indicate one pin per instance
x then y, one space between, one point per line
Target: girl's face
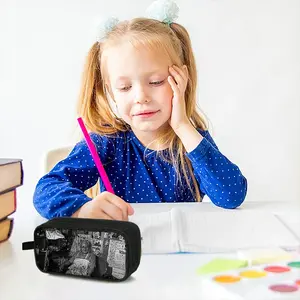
139 86
84 248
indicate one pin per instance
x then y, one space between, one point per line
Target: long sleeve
61 192
219 178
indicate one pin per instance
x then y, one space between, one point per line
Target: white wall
248 56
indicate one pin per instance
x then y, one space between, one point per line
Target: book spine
22 174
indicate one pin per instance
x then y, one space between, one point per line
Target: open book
227 230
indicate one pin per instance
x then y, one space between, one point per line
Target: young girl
82 262
158 148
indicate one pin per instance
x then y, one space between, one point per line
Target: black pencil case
96 248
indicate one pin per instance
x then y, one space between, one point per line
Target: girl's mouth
146 114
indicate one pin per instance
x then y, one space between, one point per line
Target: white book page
157 232
230 230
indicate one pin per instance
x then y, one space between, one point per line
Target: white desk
158 276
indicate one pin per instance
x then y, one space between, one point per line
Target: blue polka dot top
137 175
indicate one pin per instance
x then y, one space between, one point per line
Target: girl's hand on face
178 81
105 206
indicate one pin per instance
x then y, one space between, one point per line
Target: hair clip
165 11
105 26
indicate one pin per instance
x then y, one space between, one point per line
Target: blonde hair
94 106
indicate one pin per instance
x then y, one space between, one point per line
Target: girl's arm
92 264
61 192
218 177
69 261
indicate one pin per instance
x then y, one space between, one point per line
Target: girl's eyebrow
153 72
143 75
122 78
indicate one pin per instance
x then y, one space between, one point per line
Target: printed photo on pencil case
81 253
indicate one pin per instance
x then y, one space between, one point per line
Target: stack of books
11 177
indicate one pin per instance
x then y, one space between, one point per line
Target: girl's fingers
185 75
180 76
125 207
173 84
99 213
186 72
112 210
105 216
180 71
176 76
130 210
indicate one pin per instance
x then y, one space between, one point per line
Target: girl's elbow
229 203
234 202
236 198
233 199
43 207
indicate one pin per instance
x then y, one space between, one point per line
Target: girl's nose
141 96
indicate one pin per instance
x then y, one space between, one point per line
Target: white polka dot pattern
137 175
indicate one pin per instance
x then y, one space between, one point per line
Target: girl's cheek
124 112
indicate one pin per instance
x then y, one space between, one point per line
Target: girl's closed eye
124 88
159 82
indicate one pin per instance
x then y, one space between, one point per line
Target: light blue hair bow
165 11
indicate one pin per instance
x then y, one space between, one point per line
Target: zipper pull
28 245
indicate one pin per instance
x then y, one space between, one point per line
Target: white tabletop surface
171 276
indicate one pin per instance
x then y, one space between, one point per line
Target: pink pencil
96 157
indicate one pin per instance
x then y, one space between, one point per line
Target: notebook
211 232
